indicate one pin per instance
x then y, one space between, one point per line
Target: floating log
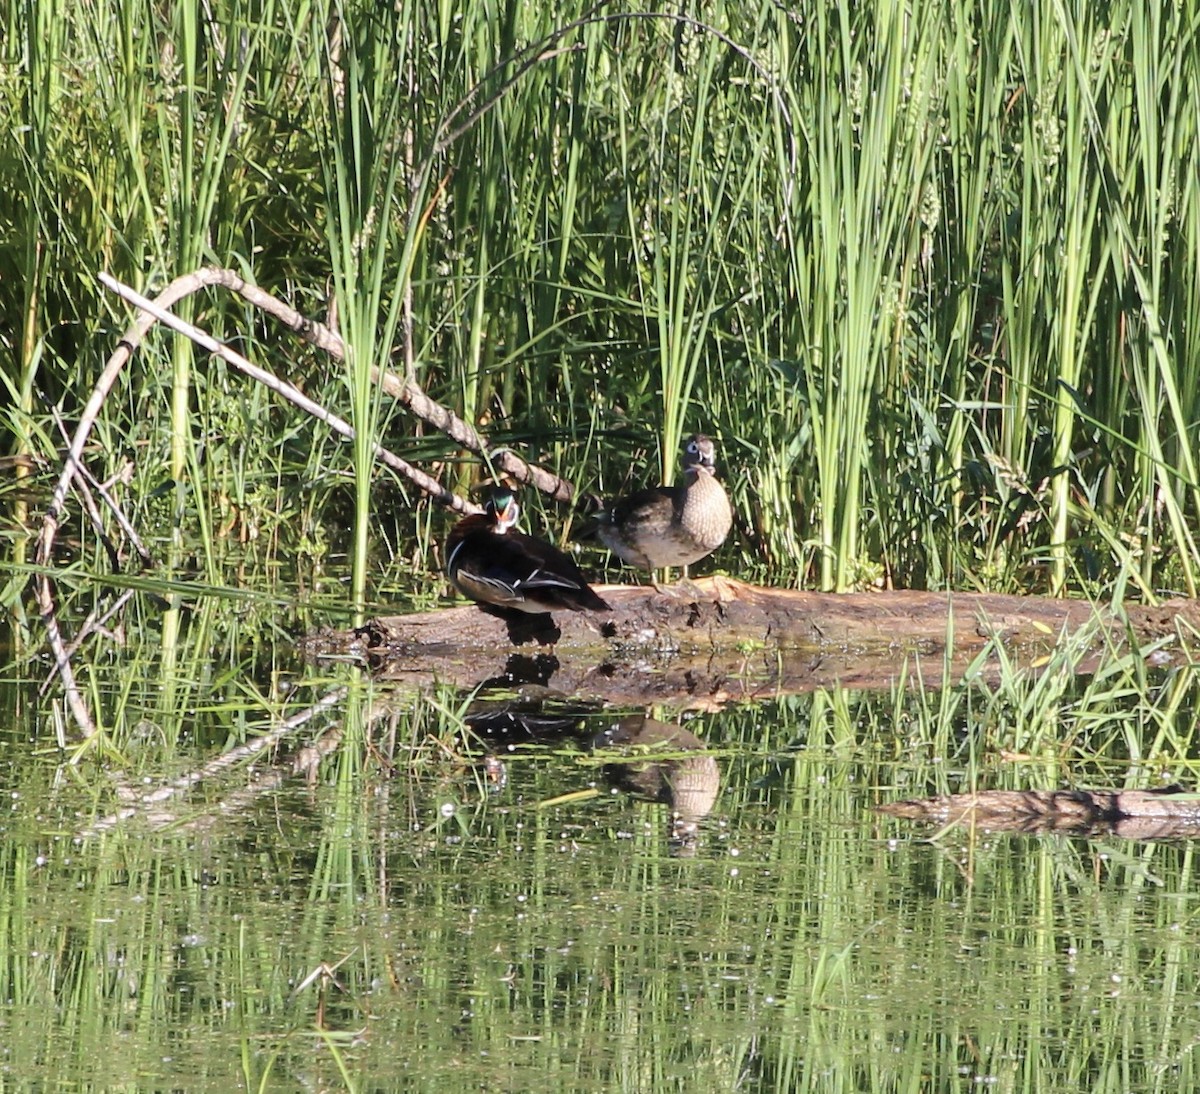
716 639
1166 813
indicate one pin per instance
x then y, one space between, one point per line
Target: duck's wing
654 504
519 571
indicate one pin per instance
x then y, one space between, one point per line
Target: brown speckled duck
489 562
672 525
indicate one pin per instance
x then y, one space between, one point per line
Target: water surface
405 916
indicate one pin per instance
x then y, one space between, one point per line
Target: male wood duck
492 564
672 525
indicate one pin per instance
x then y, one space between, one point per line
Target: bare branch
289 392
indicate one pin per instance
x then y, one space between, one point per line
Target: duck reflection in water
650 759
688 784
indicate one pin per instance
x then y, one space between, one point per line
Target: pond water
435 907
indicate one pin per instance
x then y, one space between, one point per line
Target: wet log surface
1167 813
714 640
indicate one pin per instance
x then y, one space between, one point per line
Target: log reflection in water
1168 812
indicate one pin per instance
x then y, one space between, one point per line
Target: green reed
930 276
362 113
928 273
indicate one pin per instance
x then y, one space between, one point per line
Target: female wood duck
672 525
492 564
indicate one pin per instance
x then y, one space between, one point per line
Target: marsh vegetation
928 273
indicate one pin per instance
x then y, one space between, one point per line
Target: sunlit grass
928 275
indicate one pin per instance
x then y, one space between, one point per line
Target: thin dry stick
410 395
94 622
125 524
130 340
292 394
407 392
86 479
178 288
